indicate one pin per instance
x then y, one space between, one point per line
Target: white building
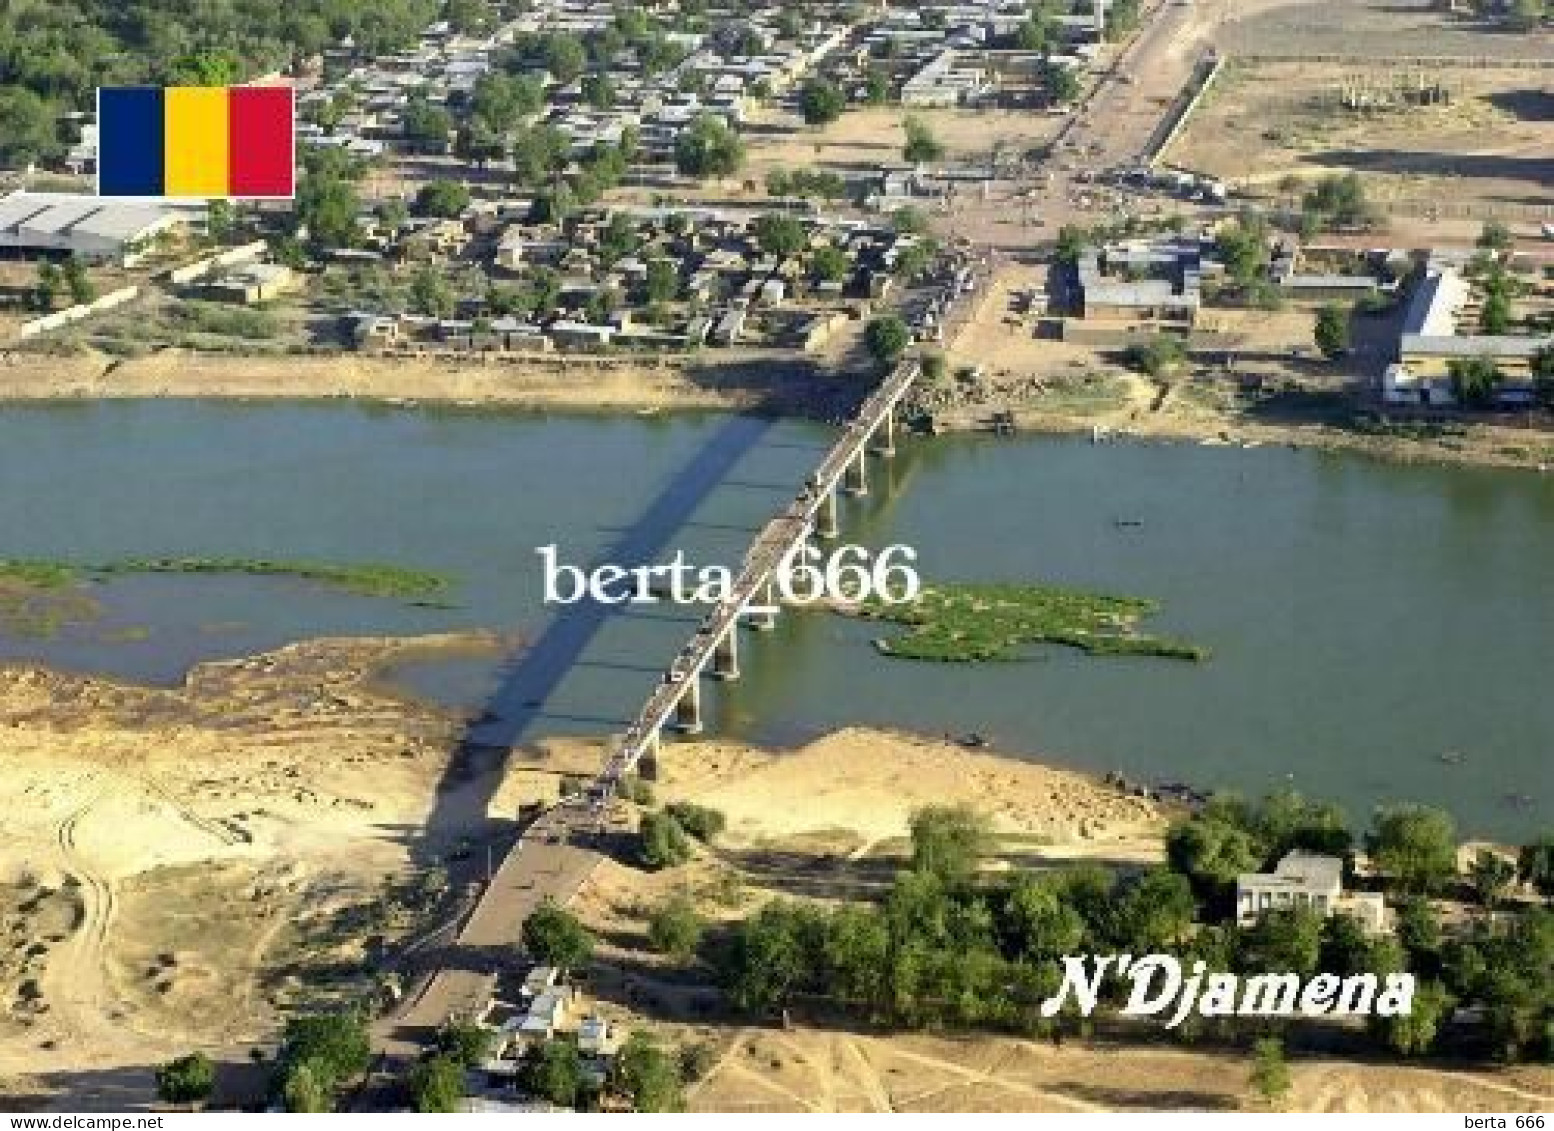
1304 880
92 228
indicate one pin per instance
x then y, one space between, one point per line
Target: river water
1379 632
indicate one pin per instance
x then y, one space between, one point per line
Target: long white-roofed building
99 230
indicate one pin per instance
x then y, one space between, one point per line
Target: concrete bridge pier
826 524
647 764
725 654
856 478
765 619
687 709
885 434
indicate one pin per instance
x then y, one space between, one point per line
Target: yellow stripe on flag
195 146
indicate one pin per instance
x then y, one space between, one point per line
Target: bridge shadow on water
529 677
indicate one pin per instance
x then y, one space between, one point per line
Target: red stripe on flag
260 151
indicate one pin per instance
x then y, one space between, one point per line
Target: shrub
675 928
662 843
700 821
187 1080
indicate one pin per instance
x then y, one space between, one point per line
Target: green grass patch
36 573
367 578
965 622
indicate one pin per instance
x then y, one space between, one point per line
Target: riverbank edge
609 387
1231 432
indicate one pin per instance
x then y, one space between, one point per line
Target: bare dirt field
179 866
874 136
1492 143
1375 29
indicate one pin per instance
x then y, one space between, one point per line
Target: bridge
713 649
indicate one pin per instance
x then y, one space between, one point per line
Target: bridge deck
777 538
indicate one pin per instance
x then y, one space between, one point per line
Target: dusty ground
1058 386
830 820
870 136
648 384
1491 144
179 865
1373 28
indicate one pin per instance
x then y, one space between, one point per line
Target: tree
708 148
909 221
663 280
1039 925
1543 375
430 292
26 127
1527 15
1535 865
442 198
830 264
1071 244
821 101
662 843
303 1092
467 1042
1270 1075
1060 82
1155 912
1473 380
887 338
599 91
701 821
675 928
1284 940
319 1054
556 937
1414 1033
327 207
220 220
1157 356
50 279
648 1075
187 1080
779 235
1415 846
1338 200
1494 317
1491 876
876 86
949 841
1332 330
437 1085
1032 35
1495 236
921 145
78 282
426 124
564 56
554 1070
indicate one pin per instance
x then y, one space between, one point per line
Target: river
1379 632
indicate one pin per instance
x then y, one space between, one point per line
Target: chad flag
195 141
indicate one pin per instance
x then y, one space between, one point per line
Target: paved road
552 861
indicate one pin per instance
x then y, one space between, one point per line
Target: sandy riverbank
581 383
182 866
178 865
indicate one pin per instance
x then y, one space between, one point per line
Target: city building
1301 879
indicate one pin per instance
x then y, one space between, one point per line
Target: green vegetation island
965 622
371 579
